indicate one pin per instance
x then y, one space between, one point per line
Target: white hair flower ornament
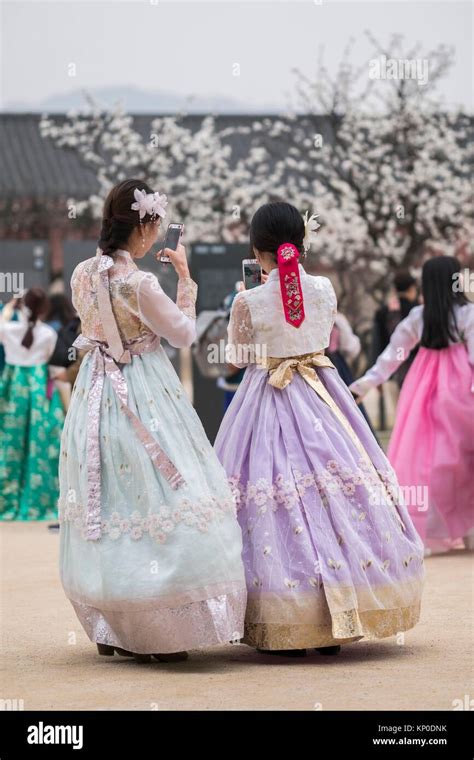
310 227
153 204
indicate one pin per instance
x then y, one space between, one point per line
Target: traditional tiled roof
34 167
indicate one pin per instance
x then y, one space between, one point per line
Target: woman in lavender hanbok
331 555
150 545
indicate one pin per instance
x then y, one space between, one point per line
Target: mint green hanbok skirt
166 574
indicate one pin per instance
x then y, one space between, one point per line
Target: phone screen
252 273
173 235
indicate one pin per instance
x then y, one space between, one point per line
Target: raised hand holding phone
174 234
173 252
178 259
251 273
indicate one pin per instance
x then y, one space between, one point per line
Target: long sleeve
240 349
51 343
174 321
405 337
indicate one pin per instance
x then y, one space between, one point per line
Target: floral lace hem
209 622
346 627
158 525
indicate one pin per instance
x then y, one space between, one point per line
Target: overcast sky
186 48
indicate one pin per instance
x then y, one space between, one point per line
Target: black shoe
329 650
54 527
109 651
284 652
171 657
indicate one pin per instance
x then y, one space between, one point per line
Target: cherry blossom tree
378 157
191 167
388 170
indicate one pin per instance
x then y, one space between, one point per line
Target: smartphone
251 273
173 236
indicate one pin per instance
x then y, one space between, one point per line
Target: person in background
8 311
63 318
66 358
391 314
61 311
31 415
64 366
432 444
344 347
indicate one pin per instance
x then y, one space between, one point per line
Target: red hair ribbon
290 284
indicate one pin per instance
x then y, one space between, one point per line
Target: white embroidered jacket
258 326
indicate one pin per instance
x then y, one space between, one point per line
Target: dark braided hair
118 219
274 224
36 301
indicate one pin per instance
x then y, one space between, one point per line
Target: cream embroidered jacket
139 303
258 326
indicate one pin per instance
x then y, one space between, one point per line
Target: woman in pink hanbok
432 444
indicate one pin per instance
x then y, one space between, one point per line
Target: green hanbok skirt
30 435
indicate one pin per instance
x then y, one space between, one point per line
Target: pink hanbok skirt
432 446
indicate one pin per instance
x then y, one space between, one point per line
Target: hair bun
119 220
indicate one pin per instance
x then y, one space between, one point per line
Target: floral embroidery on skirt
29 448
330 552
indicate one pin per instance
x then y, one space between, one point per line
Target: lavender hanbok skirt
330 552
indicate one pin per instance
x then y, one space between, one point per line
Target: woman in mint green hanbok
31 415
150 544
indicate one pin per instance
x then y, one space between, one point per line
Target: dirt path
51 665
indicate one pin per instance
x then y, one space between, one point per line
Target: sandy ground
50 664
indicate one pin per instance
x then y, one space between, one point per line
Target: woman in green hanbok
31 416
